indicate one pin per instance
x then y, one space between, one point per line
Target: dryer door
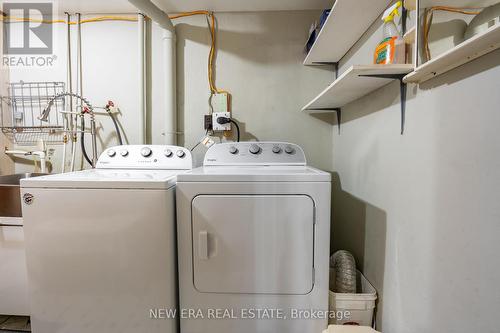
253 244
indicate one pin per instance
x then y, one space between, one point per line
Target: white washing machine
101 243
253 229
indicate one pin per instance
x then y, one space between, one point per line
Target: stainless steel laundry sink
10 197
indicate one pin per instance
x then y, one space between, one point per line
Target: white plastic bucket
353 309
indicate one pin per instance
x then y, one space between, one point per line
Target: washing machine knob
146 152
180 153
124 152
168 153
289 150
233 150
254 149
111 153
276 149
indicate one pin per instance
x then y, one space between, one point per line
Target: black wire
82 142
199 142
237 128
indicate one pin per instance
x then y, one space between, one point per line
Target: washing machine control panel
255 153
155 157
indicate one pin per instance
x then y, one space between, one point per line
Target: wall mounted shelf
467 51
353 84
357 82
334 41
347 22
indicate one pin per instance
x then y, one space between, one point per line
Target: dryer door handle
203 245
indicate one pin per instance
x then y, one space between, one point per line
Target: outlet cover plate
220 127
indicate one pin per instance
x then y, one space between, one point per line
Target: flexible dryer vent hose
345 272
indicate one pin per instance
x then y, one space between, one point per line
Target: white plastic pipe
43 163
170 88
69 128
40 154
161 18
155 13
142 77
65 143
17 152
79 89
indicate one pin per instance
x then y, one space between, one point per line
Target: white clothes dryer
253 230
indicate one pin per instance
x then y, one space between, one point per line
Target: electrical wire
429 15
199 142
237 129
211 23
212 27
8 19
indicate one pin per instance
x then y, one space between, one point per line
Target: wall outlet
220 127
207 122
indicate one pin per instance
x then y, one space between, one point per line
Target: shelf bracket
404 17
402 90
338 111
329 63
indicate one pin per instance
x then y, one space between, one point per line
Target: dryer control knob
111 153
233 150
254 149
276 149
168 153
289 150
124 152
180 153
146 152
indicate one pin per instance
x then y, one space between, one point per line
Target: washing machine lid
106 179
255 174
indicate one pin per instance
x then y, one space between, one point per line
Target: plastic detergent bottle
392 48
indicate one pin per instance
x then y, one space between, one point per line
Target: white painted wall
258 61
109 73
420 211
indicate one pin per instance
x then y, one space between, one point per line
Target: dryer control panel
255 153
156 157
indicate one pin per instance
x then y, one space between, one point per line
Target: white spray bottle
391 50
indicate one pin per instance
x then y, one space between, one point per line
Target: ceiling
171 6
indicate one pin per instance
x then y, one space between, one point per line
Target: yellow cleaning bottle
392 48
